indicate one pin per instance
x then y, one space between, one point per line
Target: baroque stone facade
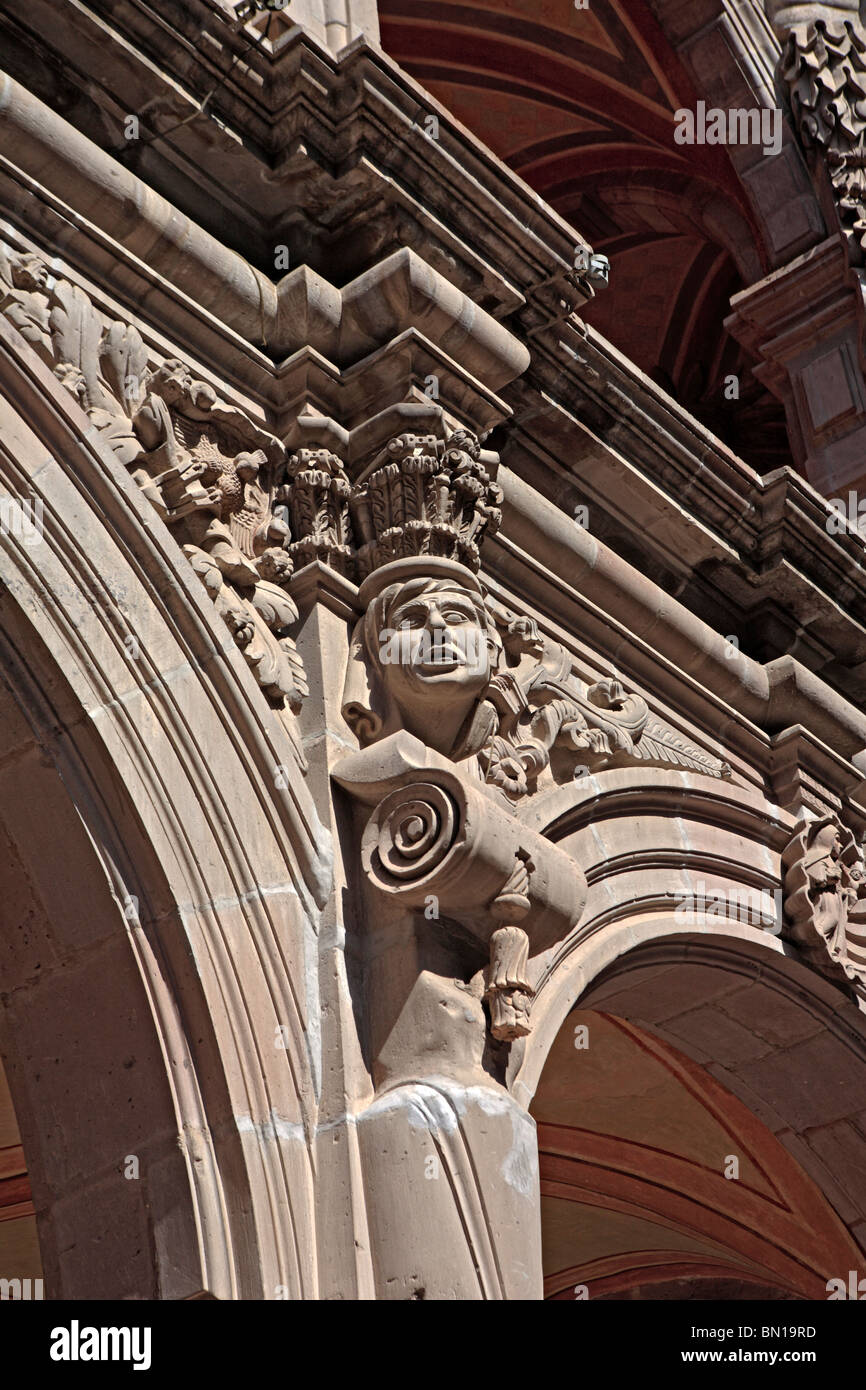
432 778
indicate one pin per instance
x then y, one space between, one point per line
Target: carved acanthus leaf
563 727
663 747
207 469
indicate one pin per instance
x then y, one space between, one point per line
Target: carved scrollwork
413 836
210 473
441 838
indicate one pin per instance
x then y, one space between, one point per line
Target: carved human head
422 655
822 840
29 273
857 871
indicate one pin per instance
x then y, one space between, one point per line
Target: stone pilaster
803 324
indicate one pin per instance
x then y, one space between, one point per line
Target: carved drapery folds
210 472
825 898
823 69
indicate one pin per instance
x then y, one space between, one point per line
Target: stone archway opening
702 1133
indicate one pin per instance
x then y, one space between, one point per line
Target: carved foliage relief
823 69
206 468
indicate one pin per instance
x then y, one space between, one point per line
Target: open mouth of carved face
439 653
444 656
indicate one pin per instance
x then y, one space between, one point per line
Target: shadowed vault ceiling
581 103
639 1198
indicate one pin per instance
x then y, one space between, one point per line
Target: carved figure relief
494 712
436 655
212 475
825 896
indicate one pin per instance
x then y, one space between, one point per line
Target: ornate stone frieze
825 897
823 68
212 475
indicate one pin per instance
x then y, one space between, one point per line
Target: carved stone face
30 274
430 651
439 649
829 840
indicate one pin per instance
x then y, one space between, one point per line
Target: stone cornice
660 642
633 452
343 139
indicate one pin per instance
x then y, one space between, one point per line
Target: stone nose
435 619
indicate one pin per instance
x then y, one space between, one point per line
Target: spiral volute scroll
444 837
411 834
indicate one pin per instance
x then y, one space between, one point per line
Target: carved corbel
825 898
434 834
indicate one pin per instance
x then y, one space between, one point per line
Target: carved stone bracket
825 898
434 835
823 68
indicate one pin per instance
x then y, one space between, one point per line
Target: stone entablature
310 510
510 259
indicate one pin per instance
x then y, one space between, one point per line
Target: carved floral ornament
204 466
823 69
